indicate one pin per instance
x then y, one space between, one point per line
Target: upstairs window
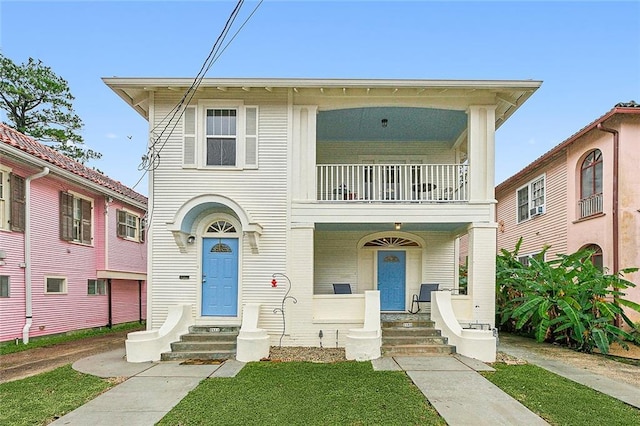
16 191
590 202
219 135
530 199
75 218
4 198
130 226
591 175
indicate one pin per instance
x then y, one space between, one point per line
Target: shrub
566 300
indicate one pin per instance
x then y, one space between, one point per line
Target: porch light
398 225
384 122
191 239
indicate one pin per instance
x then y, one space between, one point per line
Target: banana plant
566 300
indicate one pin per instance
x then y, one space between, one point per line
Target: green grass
561 401
299 393
46 341
39 399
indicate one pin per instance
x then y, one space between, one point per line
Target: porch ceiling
403 124
380 227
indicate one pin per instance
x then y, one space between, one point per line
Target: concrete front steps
412 335
204 343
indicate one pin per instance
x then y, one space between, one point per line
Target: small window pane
96 287
4 286
221 152
55 285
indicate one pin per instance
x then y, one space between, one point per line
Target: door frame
201 233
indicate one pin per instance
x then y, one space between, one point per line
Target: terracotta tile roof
28 145
620 108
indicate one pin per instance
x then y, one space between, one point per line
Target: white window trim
530 255
64 284
529 185
201 145
138 225
93 224
5 199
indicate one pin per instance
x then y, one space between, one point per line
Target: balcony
392 183
590 205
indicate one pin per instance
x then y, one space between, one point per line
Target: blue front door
219 276
391 279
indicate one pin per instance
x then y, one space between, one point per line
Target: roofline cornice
326 83
552 153
57 170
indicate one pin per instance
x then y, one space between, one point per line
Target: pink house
585 192
72 248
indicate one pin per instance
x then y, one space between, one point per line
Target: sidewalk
151 391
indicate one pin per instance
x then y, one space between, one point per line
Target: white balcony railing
392 182
590 205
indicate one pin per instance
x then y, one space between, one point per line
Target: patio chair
424 296
342 288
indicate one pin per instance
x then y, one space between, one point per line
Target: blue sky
586 53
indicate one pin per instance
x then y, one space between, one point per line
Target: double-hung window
220 135
531 198
130 226
75 218
4 197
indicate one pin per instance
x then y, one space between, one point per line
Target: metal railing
590 205
392 182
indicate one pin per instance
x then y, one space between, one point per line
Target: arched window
221 226
591 175
596 257
591 184
391 242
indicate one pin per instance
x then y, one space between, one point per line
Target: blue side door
219 276
391 280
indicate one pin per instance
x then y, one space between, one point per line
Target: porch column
303 153
482 271
481 151
300 271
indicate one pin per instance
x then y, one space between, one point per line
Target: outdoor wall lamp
384 122
191 239
398 225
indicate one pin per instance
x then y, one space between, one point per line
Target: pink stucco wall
563 192
51 256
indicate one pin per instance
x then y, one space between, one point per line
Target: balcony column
481 151
303 153
482 271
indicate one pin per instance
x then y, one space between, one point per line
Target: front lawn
38 400
302 393
561 401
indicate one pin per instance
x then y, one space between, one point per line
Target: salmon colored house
72 248
583 193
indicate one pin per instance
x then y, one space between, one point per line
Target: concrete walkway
459 394
152 390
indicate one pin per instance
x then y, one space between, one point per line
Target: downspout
28 299
616 155
615 207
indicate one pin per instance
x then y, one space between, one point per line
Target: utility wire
152 159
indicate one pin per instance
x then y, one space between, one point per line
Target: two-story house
360 182
583 193
72 248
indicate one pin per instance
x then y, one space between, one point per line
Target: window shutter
122 223
86 222
189 136
143 225
17 203
66 216
251 136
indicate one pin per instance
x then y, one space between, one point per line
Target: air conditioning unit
536 211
